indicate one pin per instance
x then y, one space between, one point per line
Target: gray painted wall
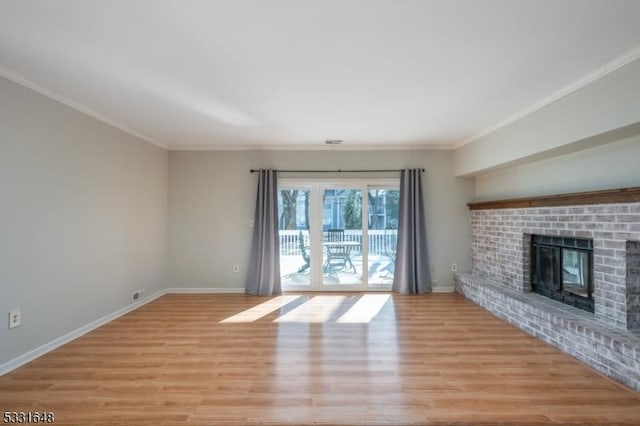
571 123
212 199
83 218
615 165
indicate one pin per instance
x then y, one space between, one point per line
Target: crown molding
603 71
22 81
401 147
592 77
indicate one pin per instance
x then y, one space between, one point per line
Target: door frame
316 186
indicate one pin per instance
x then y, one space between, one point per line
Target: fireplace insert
562 269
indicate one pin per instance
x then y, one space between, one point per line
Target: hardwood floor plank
433 359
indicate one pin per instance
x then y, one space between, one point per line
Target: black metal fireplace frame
557 291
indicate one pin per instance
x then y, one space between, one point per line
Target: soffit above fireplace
607 196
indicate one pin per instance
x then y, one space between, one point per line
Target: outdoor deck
380 271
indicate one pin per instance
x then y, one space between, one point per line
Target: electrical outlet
454 267
251 223
15 318
138 294
235 268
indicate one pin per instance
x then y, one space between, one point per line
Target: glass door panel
342 255
383 235
575 272
295 246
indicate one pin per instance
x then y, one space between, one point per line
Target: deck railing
381 241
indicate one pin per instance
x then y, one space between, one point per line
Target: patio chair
304 250
336 254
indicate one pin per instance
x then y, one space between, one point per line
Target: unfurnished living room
320 212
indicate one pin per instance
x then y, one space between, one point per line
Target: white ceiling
243 73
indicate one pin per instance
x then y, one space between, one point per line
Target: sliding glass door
382 234
337 235
342 236
294 225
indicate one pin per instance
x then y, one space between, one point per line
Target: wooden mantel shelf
607 196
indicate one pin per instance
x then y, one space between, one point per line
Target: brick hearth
609 339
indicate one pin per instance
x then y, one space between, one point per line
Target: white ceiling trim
608 68
17 78
310 147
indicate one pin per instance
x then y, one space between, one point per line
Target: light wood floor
435 359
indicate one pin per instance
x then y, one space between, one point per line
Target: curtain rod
335 171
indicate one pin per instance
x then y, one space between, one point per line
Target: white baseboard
447 289
72 335
204 290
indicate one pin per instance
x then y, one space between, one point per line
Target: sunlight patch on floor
365 309
261 310
317 309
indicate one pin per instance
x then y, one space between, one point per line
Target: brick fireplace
500 280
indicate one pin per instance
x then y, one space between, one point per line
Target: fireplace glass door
561 268
548 267
575 272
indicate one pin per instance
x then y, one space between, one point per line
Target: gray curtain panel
411 275
264 269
